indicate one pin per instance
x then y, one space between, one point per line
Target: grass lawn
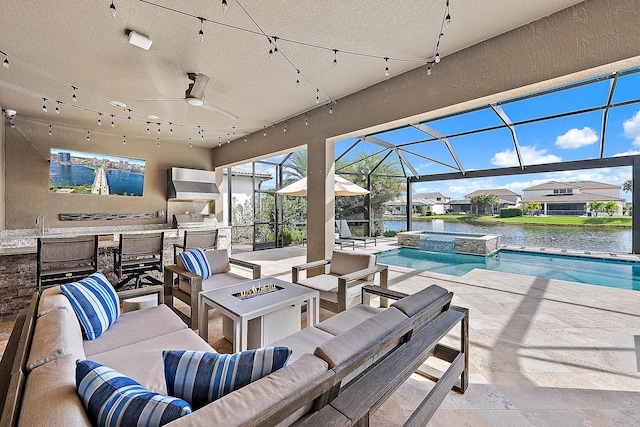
599 221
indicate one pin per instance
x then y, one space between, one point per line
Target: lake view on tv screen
87 173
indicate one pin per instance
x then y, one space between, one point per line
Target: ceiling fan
194 95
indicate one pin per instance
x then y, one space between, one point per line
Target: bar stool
65 259
193 239
136 256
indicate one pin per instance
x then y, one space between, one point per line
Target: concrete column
3 179
320 200
635 200
218 209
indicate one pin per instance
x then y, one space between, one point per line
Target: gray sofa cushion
327 285
50 396
412 304
142 361
346 320
368 333
57 334
135 326
303 342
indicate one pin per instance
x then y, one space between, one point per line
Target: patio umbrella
342 187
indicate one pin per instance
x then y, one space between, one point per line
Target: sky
572 137
98 156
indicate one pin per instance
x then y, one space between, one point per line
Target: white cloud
576 138
632 129
530 156
630 152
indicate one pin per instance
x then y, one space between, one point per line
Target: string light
306 119
57 110
74 98
148 130
158 128
13 125
264 131
5 63
158 142
437 58
429 70
99 119
335 58
331 110
228 139
88 136
170 128
124 140
112 9
298 78
285 127
386 67
201 32
234 130
224 6
50 131
245 139
270 49
190 144
219 141
317 96
275 47
447 19
44 105
113 123
129 115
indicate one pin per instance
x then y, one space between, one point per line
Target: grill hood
191 184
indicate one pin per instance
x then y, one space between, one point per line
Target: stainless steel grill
195 221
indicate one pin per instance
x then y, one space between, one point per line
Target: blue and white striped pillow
196 262
201 377
95 302
112 399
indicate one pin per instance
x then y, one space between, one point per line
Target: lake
120 182
586 238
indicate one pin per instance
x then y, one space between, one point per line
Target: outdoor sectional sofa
377 347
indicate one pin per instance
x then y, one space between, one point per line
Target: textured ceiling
56 45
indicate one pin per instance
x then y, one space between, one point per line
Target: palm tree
295 167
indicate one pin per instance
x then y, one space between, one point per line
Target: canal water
584 238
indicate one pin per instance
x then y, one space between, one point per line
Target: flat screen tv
88 173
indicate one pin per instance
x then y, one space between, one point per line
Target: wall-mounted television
88 173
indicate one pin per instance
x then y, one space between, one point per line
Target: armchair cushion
348 262
196 262
218 260
113 399
202 377
95 302
327 285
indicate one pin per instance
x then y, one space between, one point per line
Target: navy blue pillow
112 399
201 377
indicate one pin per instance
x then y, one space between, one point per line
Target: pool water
611 273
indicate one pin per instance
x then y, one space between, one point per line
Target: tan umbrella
342 187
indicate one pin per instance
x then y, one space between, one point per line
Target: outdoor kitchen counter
18 255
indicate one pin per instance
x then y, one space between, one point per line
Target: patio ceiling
55 47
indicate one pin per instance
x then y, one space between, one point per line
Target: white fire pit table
258 317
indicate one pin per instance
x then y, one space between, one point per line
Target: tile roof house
570 197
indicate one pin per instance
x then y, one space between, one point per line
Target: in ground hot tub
459 243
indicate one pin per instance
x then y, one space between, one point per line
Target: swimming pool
611 273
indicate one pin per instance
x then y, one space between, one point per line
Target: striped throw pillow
112 399
95 302
196 262
201 377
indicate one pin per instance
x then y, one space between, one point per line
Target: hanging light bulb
112 9
437 58
129 116
148 130
386 67
331 110
429 70
275 47
234 131
124 140
270 48
285 127
57 110
224 6
13 125
113 123
317 96
298 78
202 134
306 119
170 128
335 58
190 144
218 141
228 139
201 32
245 139
264 131
447 20
5 63
158 142
44 105
88 136
99 119
50 131
158 128
74 98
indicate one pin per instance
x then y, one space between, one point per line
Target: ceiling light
137 39
195 102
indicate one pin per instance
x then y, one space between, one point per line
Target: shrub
389 233
510 212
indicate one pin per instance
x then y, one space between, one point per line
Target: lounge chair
345 233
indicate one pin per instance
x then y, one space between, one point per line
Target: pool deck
542 352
